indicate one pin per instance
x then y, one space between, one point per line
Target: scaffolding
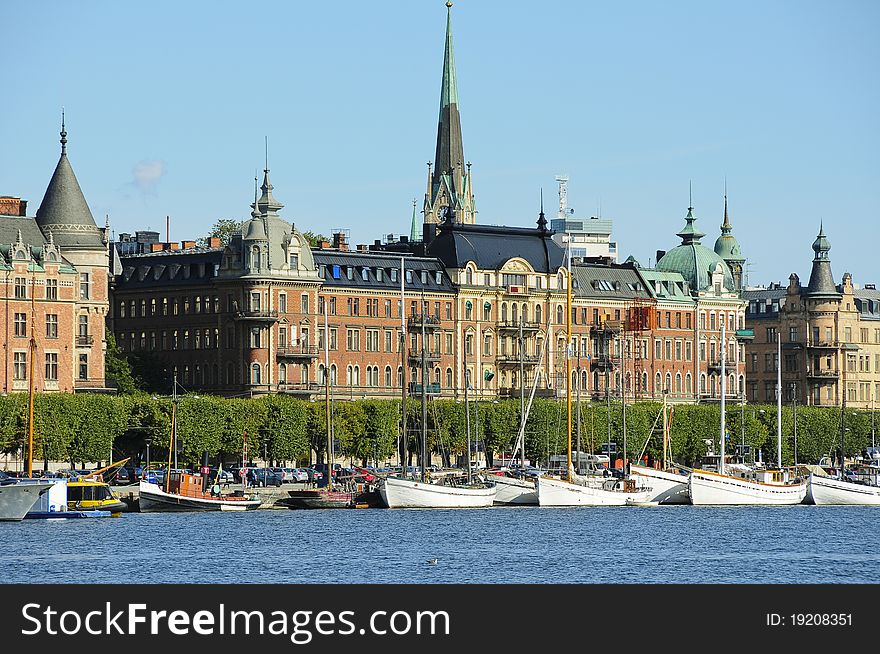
639 320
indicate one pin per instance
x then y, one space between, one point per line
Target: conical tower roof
821 280
726 246
64 212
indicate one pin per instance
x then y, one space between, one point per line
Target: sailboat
448 492
573 489
669 484
747 485
329 497
184 491
865 490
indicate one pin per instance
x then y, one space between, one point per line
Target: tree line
86 428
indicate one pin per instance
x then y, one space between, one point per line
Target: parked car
225 476
121 477
300 474
263 477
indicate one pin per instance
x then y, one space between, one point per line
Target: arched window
525 312
669 381
538 313
255 257
321 378
678 388
282 374
256 377
333 375
357 375
469 277
689 383
468 310
703 383
399 376
387 375
658 384
437 376
514 312
742 386
504 312
449 378
348 375
559 314
585 378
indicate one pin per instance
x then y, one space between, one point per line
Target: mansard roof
490 247
334 265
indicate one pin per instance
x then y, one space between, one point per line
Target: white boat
152 499
514 490
16 499
668 487
827 490
401 493
754 486
613 492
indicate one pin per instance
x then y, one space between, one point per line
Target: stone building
829 333
56 270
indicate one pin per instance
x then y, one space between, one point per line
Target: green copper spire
414 234
449 156
690 235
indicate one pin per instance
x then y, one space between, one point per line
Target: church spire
414 234
449 182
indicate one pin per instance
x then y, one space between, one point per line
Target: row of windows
379 274
51 285
20 366
20 325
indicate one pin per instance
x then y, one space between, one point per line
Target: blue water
679 544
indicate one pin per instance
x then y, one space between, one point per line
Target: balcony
302 388
298 352
416 389
602 362
85 340
607 328
823 345
514 359
823 373
517 289
257 315
514 326
415 323
793 345
431 356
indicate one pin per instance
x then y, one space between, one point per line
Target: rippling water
798 544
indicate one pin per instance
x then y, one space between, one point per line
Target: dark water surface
798 544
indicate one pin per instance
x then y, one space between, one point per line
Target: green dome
694 261
727 247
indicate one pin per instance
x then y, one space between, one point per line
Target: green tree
314 238
224 229
117 368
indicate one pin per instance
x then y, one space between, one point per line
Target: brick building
55 288
829 333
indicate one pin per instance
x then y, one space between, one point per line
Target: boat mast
327 400
779 400
425 398
623 399
172 446
32 354
665 431
568 368
723 390
578 415
467 418
522 389
403 444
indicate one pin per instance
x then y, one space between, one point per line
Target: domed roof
694 261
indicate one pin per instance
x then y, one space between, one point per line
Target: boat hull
400 493
17 499
152 499
510 490
318 499
668 487
824 491
714 489
558 492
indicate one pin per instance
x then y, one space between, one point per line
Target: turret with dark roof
64 211
821 280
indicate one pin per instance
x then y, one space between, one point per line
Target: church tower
449 181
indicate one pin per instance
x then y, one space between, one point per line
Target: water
798 544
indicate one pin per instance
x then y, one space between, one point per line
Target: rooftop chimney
660 255
10 206
339 241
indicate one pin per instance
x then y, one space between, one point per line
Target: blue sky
168 104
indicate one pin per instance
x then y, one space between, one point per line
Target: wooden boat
404 493
317 498
187 492
826 490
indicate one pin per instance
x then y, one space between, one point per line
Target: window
793 334
449 311
51 366
282 374
84 286
256 374
282 302
332 306
771 334
83 366
353 340
255 337
51 289
51 325
294 261
334 343
20 288
304 304
282 337
468 310
487 311
409 277
388 337
19 365
373 340
394 274
468 344
387 375
255 303
83 326
448 343
21 324
487 345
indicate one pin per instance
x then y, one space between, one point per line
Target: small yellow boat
91 495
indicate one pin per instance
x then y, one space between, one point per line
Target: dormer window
409 277
365 274
294 261
379 274
349 272
424 277
394 274
438 277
